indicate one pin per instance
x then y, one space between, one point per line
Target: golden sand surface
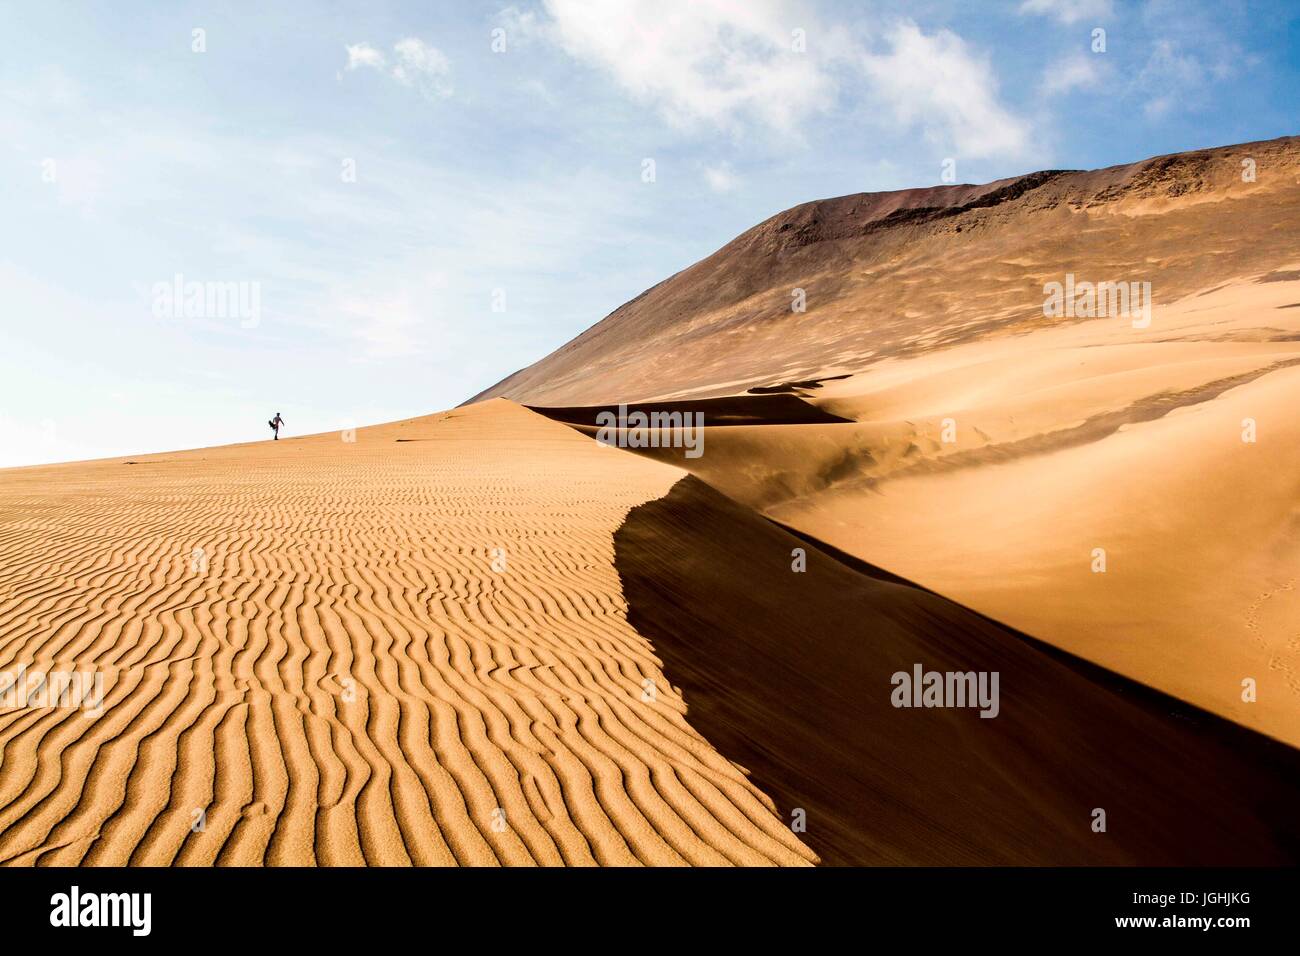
410 648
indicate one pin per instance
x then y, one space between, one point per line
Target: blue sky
420 214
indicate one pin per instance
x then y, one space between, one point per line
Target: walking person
275 424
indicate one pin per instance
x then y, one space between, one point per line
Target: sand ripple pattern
407 649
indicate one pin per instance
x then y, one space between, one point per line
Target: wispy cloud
772 65
1070 11
1079 71
695 61
1169 75
363 54
721 178
414 63
422 66
936 82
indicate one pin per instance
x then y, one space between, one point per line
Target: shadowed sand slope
789 673
410 648
723 412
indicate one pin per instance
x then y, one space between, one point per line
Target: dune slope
1124 486
888 276
411 648
789 673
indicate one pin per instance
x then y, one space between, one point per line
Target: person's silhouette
275 424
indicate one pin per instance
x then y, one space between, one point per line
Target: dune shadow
781 408
788 673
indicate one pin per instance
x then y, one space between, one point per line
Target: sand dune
481 637
1068 442
999 455
789 673
347 679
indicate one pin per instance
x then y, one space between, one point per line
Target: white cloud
1168 66
417 65
1070 11
937 83
1168 72
422 66
729 64
1157 107
520 25
720 178
1080 71
363 54
696 61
